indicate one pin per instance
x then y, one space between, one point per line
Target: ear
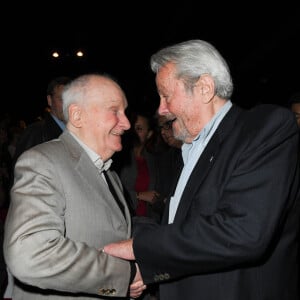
75 115
205 87
49 100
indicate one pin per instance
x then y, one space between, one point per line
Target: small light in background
79 53
55 54
69 53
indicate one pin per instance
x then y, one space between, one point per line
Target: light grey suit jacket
61 213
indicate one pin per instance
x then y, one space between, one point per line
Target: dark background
260 42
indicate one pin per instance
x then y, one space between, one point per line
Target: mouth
119 133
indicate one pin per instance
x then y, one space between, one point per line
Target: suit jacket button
167 276
156 278
113 291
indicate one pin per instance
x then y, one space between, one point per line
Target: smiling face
100 120
176 103
192 109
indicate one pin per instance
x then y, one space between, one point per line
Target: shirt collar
205 134
102 166
96 159
60 123
215 120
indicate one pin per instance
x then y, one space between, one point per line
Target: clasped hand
124 249
137 286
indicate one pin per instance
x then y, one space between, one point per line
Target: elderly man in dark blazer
231 228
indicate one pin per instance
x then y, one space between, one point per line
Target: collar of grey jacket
103 166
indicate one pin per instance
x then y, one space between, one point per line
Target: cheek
57 104
139 133
177 104
178 109
142 136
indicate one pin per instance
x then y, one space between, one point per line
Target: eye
138 128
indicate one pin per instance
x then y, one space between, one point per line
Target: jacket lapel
91 176
206 162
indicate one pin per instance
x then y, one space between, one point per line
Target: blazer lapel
206 161
119 194
90 174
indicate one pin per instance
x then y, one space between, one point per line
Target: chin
118 147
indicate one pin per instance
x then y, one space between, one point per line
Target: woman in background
139 169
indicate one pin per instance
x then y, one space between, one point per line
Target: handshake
124 250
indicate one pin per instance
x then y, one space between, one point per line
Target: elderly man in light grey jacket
62 210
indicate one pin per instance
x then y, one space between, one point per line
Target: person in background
5 167
42 130
51 125
66 203
139 171
230 230
294 105
3 269
14 135
170 160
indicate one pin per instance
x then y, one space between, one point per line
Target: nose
162 108
125 122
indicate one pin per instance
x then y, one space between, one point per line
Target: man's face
295 107
177 104
55 102
103 118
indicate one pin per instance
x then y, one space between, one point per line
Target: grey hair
192 59
76 90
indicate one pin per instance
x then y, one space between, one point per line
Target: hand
122 249
137 287
149 196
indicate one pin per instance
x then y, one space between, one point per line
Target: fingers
122 249
155 197
136 289
137 286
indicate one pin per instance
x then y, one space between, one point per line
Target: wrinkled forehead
106 91
167 71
